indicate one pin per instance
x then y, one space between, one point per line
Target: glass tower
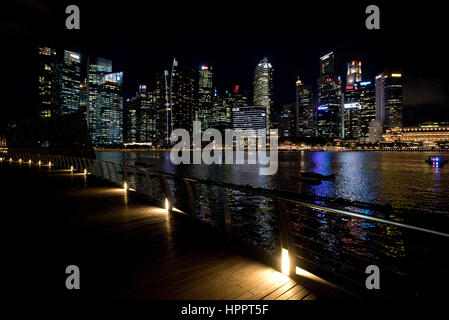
70 82
263 88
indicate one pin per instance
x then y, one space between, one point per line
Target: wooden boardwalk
124 247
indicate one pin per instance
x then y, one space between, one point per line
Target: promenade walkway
124 247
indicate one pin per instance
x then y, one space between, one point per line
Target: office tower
164 120
48 84
182 97
329 120
203 110
96 70
70 82
249 117
389 99
367 99
393 100
354 72
223 103
380 98
327 64
142 117
84 96
287 121
351 113
263 88
109 110
304 111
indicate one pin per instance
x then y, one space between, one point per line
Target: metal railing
336 243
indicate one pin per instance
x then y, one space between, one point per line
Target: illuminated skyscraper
223 103
368 112
48 82
304 112
203 110
109 110
354 73
142 117
249 118
393 100
96 72
329 120
351 113
182 97
263 88
389 108
70 82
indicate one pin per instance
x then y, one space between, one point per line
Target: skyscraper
329 120
351 113
393 100
96 72
203 110
142 117
368 111
354 73
305 112
70 82
249 118
109 110
263 88
48 82
223 103
389 108
182 97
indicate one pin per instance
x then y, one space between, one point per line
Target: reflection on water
336 247
400 179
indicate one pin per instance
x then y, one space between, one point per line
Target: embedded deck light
125 186
85 172
285 262
167 205
71 168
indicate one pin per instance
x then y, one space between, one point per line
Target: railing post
167 192
150 186
227 214
285 233
109 171
136 178
191 199
117 178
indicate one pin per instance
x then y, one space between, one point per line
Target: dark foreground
124 247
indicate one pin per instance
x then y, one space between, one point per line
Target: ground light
285 262
29 161
20 160
71 168
167 205
40 162
85 172
49 164
125 186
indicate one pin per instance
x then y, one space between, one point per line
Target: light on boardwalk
49 164
285 266
167 204
71 168
125 186
85 172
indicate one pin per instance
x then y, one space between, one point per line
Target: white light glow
285 266
167 204
125 186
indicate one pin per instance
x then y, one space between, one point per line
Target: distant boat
436 160
316 177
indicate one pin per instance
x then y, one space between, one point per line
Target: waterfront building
287 121
389 107
96 70
263 88
141 122
223 103
393 100
425 133
109 110
70 82
354 73
48 82
367 99
304 112
375 131
162 96
203 109
330 100
249 117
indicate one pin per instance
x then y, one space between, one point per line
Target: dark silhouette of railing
335 243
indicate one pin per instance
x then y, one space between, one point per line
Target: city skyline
235 49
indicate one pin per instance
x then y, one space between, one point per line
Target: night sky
142 37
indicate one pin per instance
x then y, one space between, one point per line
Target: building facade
304 111
70 82
203 109
263 88
48 82
354 72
